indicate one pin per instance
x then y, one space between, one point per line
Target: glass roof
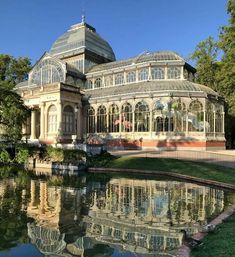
78 38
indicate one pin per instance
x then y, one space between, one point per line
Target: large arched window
68 120
195 116
157 73
52 119
173 72
101 119
209 117
47 72
91 120
114 120
143 74
131 77
108 80
178 110
98 83
119 79
141 117
126 117
218 122
89 84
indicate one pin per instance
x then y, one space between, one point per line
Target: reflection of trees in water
13 218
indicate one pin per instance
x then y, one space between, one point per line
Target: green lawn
201 170
219 244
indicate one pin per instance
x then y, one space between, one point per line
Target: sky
29 27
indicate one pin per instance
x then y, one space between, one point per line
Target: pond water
99 215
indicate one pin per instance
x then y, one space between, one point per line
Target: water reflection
132 217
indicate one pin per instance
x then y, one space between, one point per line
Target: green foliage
72 156
219 244
205 56
54 154
13 70
101 160
22 155
220 74
4 156
13 113
64 155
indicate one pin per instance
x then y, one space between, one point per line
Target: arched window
114 120
131 77
91 120
178 111
68 120
209 117
157 73
89 84
126 117
119 79
195 116
108 81
47 72
218 122
173 72
143 74
141 117
98 83
101 119
52 119
159 124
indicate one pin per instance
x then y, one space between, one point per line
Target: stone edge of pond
184 250
168 174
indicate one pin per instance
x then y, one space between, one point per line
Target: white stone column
133 121
186 123
59 118
151 122
204 122
42 121
33 124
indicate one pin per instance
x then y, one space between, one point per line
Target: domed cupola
82 47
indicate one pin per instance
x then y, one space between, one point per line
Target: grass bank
201 170
219 244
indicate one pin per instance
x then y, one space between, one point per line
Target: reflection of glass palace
138 216
77 90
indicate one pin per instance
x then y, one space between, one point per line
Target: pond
102 215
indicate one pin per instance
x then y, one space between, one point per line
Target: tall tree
13 70
220 74
226 73
205 56
13 113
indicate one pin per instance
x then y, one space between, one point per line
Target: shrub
4 156
22 155
54 154
73 156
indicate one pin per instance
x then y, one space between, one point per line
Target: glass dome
81 37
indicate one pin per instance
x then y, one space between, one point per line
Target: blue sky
29 27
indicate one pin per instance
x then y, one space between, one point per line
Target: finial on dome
83 18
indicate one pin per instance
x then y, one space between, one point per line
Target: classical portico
55 114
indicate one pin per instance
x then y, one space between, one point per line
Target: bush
54 154
100 160
4 156
22 155
73 156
